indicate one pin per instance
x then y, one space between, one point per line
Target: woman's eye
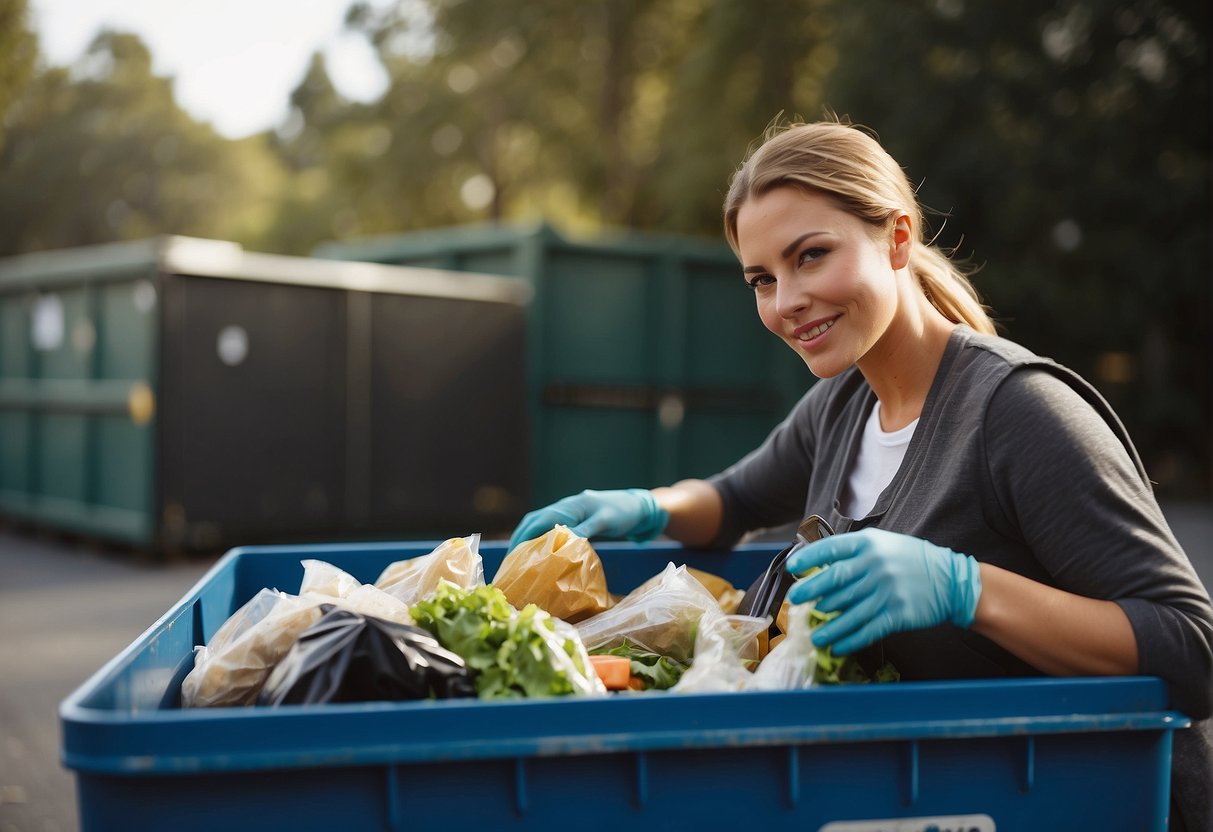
811 254
760 280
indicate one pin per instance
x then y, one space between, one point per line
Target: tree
18 53
102 152
1070 140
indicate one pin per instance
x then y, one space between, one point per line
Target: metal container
179 393
648 362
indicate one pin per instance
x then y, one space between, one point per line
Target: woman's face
825 280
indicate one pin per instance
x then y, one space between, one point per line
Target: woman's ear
901 241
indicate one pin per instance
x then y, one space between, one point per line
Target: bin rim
251 738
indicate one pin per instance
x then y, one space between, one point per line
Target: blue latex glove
883 582
630 513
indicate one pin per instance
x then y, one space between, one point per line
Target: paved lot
66 608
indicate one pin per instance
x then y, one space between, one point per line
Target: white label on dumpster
232 345
940 823
46 326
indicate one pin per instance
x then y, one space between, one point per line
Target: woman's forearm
695 511
1055 631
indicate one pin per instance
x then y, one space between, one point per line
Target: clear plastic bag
568 653
728 596
232 668
321 578
661 615
792 662
725 647
325 583
456 561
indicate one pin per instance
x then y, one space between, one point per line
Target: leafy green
511 651
658 672
838 670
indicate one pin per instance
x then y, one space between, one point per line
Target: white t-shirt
880 455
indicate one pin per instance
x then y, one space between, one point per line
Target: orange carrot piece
612 670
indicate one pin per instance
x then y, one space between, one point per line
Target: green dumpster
647 360
177 393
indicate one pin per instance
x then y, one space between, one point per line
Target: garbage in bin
1025 754
348 657
661 615
559 572
514 652
456 561
232 668
234 664
726 648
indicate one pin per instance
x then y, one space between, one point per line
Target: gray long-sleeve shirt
1020 463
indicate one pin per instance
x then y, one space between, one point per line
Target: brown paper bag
767 642
559 572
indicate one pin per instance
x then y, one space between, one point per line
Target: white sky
234 62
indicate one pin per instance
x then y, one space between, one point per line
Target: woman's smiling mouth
814 329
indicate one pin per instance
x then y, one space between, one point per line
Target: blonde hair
848 165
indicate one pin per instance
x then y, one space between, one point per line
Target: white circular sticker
143 294
46 324
232 345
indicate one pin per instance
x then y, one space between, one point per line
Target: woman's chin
823 366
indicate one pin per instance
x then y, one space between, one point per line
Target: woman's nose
790 297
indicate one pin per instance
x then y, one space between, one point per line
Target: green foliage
1069 142
1066 141
18 52
829 668
103 153
613 112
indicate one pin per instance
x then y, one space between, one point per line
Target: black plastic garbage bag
348 657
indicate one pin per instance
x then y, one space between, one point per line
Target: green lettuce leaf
658 672
838 670
506 648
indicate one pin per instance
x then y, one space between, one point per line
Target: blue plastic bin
1021 754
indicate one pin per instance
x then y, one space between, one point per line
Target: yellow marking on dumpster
141 403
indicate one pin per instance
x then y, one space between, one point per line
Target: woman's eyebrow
783 255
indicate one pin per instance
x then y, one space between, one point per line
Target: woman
994 518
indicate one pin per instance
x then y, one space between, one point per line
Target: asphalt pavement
67 607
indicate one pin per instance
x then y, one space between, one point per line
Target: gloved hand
631 513
883 582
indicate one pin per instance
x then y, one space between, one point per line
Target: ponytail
949 289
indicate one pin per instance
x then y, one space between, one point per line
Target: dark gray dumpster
183 393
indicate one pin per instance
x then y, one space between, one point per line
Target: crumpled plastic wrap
233 666
722 665
661 615
456 561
